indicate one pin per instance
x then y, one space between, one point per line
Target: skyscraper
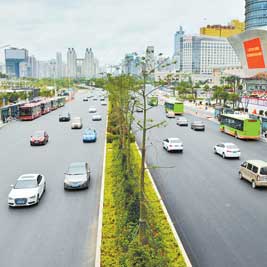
14 57
256 14
59 65
71 63
178 43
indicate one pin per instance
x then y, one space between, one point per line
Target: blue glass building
256 14
14 57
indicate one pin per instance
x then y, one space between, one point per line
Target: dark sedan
39 138
64 117
198 125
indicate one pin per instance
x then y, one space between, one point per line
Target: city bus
54 103
61 100
30 111
45 106
240 126
176 106
153 101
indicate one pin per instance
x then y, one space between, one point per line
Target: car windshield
38 134
24 184
231 146
76 169
89 132
76 120
176 140
263 171
198 122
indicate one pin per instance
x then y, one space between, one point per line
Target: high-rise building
71 63
80 67
131 64
234 27
14 57
59 65
178 43
202 53
256 11
89 63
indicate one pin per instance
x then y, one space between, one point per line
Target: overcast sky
111 27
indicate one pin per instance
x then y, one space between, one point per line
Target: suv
255 171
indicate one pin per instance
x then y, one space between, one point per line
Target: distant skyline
110 27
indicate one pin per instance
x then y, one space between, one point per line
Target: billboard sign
254 54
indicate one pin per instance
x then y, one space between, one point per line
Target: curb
174 232
100 214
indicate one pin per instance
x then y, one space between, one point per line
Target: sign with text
254 54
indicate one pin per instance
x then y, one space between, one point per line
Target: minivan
255 171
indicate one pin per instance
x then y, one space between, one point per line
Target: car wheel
38 199
44 187
215 151
240 176
223 155
253 184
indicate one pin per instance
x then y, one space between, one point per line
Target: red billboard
254 54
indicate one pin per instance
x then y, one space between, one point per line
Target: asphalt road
61 230
220 219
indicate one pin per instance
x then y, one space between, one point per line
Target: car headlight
10 198
33 197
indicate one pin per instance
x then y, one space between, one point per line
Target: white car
170 115
92 110
27 191
182 121
97 117
76 123
227 150
173 144
104 103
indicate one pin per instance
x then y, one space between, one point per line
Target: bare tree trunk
142 218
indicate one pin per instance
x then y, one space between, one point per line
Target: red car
39 138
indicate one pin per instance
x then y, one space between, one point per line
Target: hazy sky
111 27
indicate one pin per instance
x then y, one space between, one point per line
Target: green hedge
120 244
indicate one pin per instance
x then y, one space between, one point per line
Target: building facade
200 54
256 14
178 43
59 65
234 27
71 63
14 57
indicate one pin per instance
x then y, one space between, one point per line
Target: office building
59 65
71 63
256 14
131 64
233 28
178 42
201 54
13 58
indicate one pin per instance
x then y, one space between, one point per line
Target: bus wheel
253 184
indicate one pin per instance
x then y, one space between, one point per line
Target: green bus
153 101
240 126
176 106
